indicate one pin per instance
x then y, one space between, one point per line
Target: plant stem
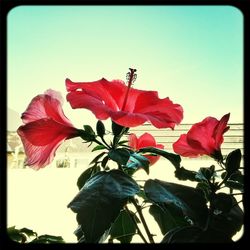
138 208
137 227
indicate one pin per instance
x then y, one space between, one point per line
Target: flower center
131 77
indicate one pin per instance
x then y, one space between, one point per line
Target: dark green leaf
48 239
188 200
205 187
234 185
138 161
166 219
100 128
98 147
192 234
237 176
86 175
119 155
233 161
100 200
28 232
104 161
88 129
228 223
124 227
184 174
123 142
222 203
205 174
116 128
173 158
97 158
88 137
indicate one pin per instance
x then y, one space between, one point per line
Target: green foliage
233 161
137 161
124 227
25 235
173 158
100 128
99 202
119 155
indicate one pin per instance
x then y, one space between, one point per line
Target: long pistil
131 76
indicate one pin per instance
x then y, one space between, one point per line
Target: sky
191 54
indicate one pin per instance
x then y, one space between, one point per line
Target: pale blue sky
192 54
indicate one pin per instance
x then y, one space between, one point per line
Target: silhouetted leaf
86 175
100 128
100 200
119 155
98 147
233 161
138 161
173 158
123 228
165 218
188 200
229 223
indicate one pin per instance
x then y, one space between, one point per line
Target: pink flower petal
105 99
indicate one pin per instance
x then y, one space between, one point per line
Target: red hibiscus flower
204 138
46 127
126 106
145 140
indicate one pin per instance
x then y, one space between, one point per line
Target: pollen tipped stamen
131 77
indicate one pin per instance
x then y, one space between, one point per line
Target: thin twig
138 208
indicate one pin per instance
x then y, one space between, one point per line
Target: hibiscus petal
132 141
201 135
43 131
220 129
146 140
106 99
110 94
41 139
46 105
182 147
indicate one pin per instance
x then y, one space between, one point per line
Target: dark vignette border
6 6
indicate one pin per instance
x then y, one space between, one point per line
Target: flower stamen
131 77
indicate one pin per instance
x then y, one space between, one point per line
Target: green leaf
100 128
45 239
184 174
123 228
173 158
193 234
234 185
123 142
104 161
86 175
235 181
233 161
89 129
205 174
119 155
205 187
28 232
138 161
94 161
100 200
222 202
116 128
188 200
86 136
165 218
228 223
98 147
